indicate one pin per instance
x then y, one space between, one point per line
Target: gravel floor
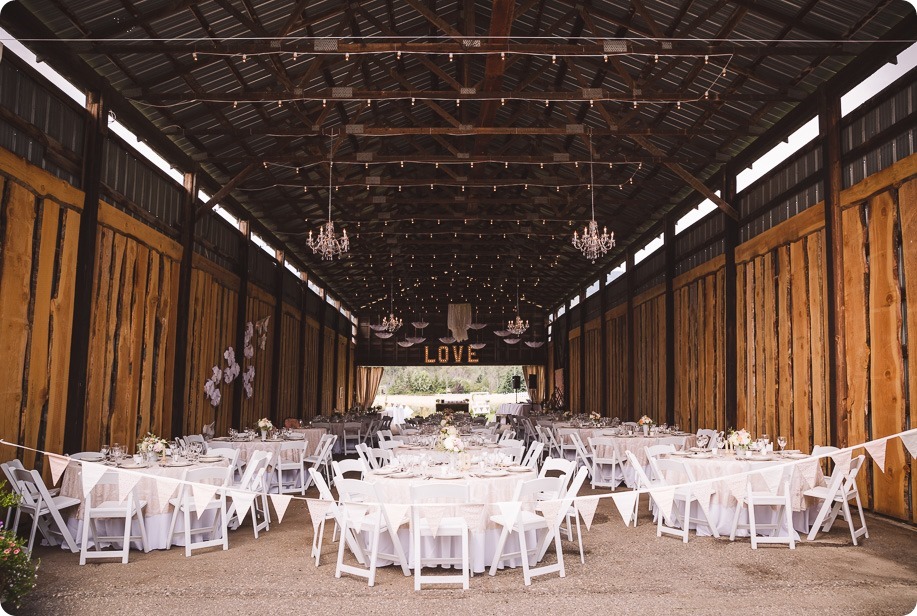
627 571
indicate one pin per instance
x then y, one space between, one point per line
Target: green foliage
411 380
18 572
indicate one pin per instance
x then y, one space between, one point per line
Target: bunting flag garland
474 517
772 477
876 449
280 502
203 493
242 501
910 441
509 511
91 474
126 484
842 461
587 506
397 514
165 488
552 511
664 498
703 491
625 502
58 465
355 515
434 515
738 486
809 471
318 509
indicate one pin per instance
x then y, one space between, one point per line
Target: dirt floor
627 571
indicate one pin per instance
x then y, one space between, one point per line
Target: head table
156 515
487 488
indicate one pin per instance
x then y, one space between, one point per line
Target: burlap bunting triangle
625 502
280 502
474 517
737 486
58 465
664 498
586 506
910 441
509 511
126 483
91 473
703 491
772 477
203 493
242 501
397 514
318 509
355 514
434 515
876 449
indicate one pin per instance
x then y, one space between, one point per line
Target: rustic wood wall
780 327
260 304
649 354
328 393
310 382
573 392
592 365
212 315
700 311
616 349
289 398
39 226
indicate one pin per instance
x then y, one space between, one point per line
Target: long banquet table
157 514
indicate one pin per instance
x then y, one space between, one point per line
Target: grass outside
425 404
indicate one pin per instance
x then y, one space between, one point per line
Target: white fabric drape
368 378
538 371
459 319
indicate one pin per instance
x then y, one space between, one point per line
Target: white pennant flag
203 494
552 511
772 477
738 487
625 502
58 465
318 509
876 449
126 483
509 511
397 514
703 491
165 488
243 502
280 502
355 515
664 498
910 441
434 515
474 517
586 507
842 461
809 471
91 474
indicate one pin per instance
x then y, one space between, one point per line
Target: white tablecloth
485 493
398 413
510 408
723 504
157 514
247 448
436 455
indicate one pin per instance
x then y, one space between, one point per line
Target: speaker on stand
517 385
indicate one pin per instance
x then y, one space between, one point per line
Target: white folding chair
361 512
533 455
783 517
353 435
125 510
566 469
712 434
390 445
36 501
643 481
836 497
677 472
550 442
424 498
584 457
384 435
607 470
184 505
253 480
333 513
526 521
567 446
196 438
513 451
295 469
381 456
230 454
342 467
653 452
321 459
509 433
364 452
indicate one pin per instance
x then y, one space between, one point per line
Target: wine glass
105 450
781 441
116 452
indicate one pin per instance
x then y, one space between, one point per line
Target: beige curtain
539 372
458 320
368 378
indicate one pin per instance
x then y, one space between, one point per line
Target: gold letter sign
457 356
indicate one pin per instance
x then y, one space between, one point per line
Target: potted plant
18 572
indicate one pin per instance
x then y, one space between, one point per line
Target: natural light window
616 273
876 82
290 267
649 249
591 289
574 301
703 208
262 244
561 311
314 288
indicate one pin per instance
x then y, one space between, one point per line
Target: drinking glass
105 450
781 441
116 452
703 440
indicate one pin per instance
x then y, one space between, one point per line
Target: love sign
455 354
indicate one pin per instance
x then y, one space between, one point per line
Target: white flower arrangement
261 326
740 439
646 421
449 439
249 349
152 443
211 387
594 416
233 369
264 424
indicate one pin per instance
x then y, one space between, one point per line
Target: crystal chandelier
327 243
592 244
391 323
517 326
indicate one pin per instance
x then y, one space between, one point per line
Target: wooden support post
582 352
669 246
94 133
278 337
320 368
730 339
334 364
179 379
301 377
631 397
245 241
603 344
829 126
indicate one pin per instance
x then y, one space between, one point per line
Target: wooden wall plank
887 367
801 380
818 320
907 211
741 348
767 421
784 414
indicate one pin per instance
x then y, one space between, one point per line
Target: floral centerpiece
595 417
264 424
153 444
449 439
18 572
740 440
646 421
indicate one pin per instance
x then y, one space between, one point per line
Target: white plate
220 438
382 472
680 453
701 456
492 473
796 456
446 477
210 459
175 464
93 458
403 475
518 469
131 466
